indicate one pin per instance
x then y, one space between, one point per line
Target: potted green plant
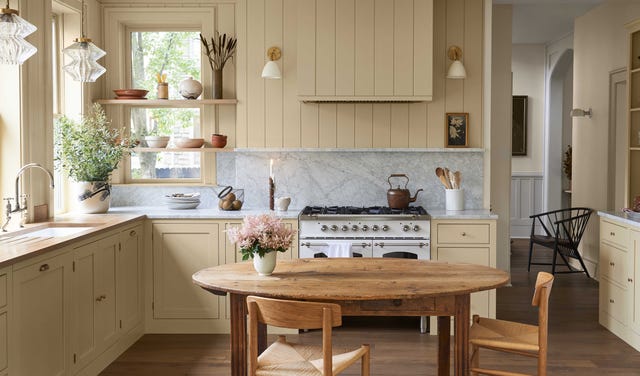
88 151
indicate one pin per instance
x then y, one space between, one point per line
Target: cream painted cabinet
94 325
40 316
467 241
129 271
365 50
633 117
5 298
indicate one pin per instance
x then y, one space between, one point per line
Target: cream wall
527 65
600 42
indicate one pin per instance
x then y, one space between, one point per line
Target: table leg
444 341
461 340
238 335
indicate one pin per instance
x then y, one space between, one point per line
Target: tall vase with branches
219 50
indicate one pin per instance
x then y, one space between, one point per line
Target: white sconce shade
456 70
271 69
84 54
14 49
578 112
83 66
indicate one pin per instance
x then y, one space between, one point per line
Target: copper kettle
399 198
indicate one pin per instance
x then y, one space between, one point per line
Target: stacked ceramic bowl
182 200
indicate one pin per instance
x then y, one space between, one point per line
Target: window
164 56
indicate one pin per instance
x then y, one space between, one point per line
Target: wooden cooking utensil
442 177
457 178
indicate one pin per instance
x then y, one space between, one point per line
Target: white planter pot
93 196
265 265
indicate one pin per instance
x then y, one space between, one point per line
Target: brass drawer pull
612 263
44 267
612 233
611 301
133 233
101 298
629 279
464 234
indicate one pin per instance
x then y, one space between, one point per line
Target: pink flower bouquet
261 234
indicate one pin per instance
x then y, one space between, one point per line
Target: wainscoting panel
526 199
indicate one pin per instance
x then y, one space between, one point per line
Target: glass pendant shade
14 49
83 66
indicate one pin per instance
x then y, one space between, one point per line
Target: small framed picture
457 130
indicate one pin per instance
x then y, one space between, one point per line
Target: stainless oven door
411 249
316 248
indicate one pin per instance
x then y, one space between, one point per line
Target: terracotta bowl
184 142
157 141
218 140
131 93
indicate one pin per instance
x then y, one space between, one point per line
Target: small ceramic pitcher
282 203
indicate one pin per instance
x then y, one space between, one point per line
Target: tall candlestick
272 190
271 168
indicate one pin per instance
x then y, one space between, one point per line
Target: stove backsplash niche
350 177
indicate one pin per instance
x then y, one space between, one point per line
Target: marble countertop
621 217
462 214
158 212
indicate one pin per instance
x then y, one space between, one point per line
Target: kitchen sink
45 232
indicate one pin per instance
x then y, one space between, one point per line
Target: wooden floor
578 345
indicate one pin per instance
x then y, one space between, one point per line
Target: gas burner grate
353 210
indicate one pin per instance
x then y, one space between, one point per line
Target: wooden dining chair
283 358
513 337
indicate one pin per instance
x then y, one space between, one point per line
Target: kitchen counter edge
462 214
620 216
152 212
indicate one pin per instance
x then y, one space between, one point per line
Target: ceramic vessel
190 88
282 203
217 84
157 141
218 140
93 196
265 265
163 90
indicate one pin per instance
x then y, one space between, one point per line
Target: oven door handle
309 244
383 244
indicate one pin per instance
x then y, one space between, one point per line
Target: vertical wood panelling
383 48
364 125
345 47
399 125
472 59
423 47
364 51
403 48
526 199
307 47
436 109
255 83
417 125
381 125
226 19
273 88
309 125
242 108
346 122
327 125
326 47
454 93
289 66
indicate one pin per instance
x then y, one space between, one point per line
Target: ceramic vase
190 88
217 84
265 265
93 196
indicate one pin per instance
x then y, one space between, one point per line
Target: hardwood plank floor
578 345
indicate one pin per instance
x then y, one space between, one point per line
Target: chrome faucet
17 209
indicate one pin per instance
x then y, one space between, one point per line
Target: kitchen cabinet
619 294
5 298
94 325
633 115
129 281
365 50
39 338
468 241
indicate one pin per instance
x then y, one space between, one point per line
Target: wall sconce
578 112
14 49
271 69
456 69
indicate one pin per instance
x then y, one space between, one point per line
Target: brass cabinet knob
44 267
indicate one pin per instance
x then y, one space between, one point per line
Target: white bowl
157 141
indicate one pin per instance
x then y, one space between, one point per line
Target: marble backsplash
335 177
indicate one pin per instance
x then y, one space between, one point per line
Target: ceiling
543 21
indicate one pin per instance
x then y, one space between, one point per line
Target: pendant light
84 55
13 29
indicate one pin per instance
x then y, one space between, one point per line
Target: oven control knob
416 228
354 228
345 228
405 228
365 228
324 228
385 228
375 227
334 228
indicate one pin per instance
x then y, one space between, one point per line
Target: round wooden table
362 287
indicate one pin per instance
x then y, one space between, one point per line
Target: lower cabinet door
129 278
40 311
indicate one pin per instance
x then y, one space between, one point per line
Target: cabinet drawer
463 233
615 301
614 263
614 234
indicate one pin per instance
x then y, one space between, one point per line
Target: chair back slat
294 314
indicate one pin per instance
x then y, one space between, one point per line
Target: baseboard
112 353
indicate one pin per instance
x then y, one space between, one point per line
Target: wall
600 42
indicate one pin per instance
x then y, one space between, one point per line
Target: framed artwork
519 125
457 130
